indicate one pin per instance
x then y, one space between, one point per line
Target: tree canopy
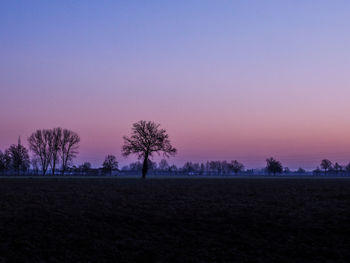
146 139
273 166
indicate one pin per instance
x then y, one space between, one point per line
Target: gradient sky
228 79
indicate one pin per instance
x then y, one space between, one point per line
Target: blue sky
228 79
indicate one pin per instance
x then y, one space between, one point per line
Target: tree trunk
145 167
64 164
63 168
53 167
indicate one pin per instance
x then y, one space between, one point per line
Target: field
174 220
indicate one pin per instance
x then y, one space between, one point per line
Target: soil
174 220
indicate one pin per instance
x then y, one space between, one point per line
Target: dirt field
175 220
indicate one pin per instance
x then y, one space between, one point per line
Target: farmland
174 220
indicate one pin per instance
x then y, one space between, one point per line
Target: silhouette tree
55 147
163 165
202 169
273 166
317 171
173 169
35 161
236 166
301 171
286 170
85 167
7 160
39 143
69 144
19 157
4 162
338 168
225 167
152 166
110 163
50 146
188 168
196 167
147 138
135 166
215 167
326 165
347 168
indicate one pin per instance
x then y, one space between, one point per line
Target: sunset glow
241 80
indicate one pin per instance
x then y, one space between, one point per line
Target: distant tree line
327 167
189 168
54 150
50 148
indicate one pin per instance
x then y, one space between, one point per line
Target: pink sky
228 81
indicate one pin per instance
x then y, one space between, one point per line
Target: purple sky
229 80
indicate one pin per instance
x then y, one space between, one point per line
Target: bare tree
39 144
326 165
214 167
110 163
338 168
173 169
273 166
147 138
135 166
163 165
52 146
35 161
69 144
202 169
188 168
19 157
317 171
4 162
236 166
55 147
301 171
286 170
85 168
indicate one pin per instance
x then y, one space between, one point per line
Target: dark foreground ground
175 220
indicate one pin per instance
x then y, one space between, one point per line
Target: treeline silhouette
54 151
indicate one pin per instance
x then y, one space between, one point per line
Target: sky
228 80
